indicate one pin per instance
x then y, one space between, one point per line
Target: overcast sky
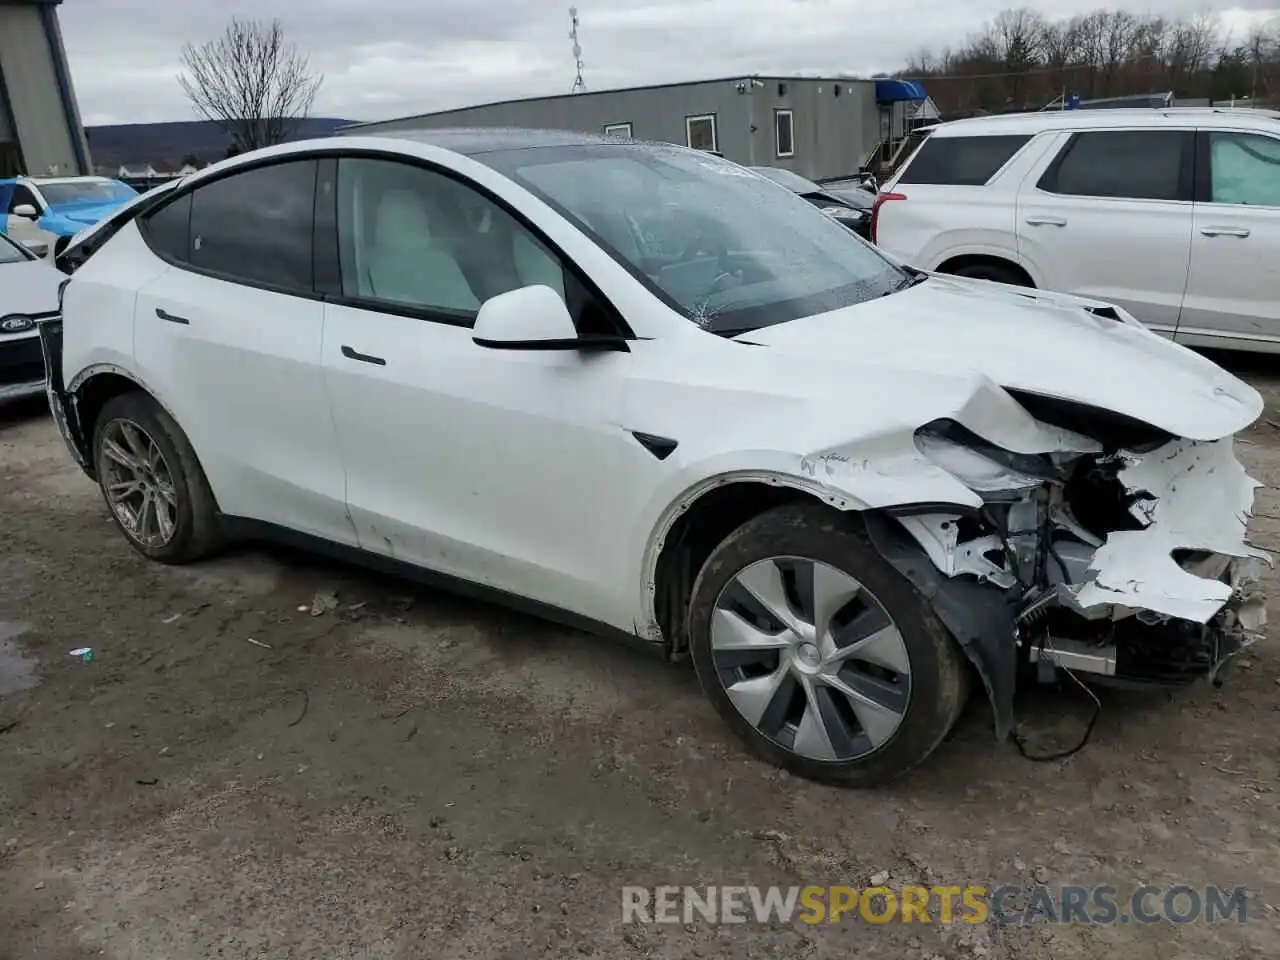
386 58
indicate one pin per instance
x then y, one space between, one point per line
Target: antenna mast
579 85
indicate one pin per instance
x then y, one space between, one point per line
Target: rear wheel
152 482
992 270
818 653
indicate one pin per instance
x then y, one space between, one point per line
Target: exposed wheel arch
713 515
91 390
89 397
698 530
987 266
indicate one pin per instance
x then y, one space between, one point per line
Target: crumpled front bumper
1161 594
1192 556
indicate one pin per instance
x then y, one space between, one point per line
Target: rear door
229 337
1110 217
1233 287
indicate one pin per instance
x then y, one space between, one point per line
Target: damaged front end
1114 550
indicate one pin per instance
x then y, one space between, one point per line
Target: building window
784 133
617 130
700 132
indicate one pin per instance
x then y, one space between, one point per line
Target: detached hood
1041 343
28 287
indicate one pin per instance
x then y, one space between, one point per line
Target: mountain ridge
166 144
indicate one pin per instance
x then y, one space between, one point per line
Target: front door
1110 218
495 466
1233 289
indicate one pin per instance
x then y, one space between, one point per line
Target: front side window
784 139
87 192
960 161
257 226
702 234
1128 164
412 237
1245 169
700 132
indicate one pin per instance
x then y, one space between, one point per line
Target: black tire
196 531
993 271
939 679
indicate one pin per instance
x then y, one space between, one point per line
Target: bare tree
250 82
922 61
1261 44
1017 39
1021 60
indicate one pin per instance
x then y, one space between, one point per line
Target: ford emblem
16 324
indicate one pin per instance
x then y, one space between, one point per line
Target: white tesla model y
640 389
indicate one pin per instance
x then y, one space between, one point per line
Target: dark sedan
849 205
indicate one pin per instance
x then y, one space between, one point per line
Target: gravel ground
414 775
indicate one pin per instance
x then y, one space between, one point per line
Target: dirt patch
414 775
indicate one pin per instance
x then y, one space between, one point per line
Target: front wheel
820 655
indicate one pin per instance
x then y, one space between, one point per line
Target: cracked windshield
730 250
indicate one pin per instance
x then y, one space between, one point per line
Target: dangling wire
1088 730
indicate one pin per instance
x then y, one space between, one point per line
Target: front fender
899 475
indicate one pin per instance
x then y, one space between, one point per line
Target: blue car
54 209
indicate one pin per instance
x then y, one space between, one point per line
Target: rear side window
257 225
961 161
168 230
1131 164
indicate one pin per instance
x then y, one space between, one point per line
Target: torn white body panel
938 533
1194 496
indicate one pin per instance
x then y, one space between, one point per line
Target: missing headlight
979 464
1114 431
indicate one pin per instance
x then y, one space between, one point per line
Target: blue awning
891 91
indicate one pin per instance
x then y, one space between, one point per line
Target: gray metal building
818 127
40 128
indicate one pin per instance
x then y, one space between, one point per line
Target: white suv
622 385
1173 214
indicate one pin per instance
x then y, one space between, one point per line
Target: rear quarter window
168 230
961 161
